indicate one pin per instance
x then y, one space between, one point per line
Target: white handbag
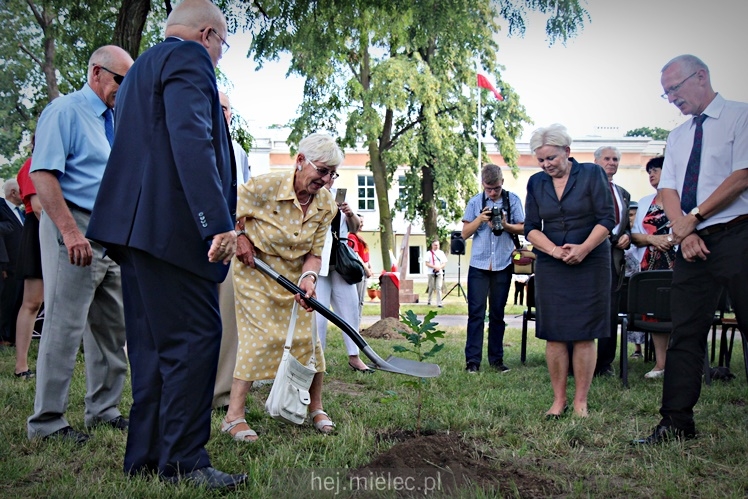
289 398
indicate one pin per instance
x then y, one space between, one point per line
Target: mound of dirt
385 329
437 464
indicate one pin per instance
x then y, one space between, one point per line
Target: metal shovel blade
392 364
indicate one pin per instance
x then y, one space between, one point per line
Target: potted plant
372 290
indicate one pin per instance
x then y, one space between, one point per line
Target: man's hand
693 247
683 227
79 248
223 247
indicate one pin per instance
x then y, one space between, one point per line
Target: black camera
497 215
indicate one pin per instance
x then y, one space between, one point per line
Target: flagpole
479 131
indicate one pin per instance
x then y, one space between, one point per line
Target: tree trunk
130 23
428 202
379 171
48 67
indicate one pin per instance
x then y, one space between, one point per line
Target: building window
366 194
401 194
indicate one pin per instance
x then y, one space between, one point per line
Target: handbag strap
292 323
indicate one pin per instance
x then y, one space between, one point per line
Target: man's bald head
202 22
195 14
106 66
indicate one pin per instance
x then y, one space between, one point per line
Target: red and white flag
484 83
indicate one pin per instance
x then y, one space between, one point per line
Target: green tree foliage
401 76
655 133
45 54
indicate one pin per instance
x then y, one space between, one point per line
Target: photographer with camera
494 217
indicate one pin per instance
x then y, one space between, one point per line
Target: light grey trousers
80 303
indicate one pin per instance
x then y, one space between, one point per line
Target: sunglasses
116 77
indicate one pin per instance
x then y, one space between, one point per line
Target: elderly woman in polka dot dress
286 216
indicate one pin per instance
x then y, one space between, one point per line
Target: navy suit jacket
623 228
10 237
169 184
586 202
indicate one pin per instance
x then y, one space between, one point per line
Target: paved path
453 320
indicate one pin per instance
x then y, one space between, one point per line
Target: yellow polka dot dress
282 235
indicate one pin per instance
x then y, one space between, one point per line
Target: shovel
392 364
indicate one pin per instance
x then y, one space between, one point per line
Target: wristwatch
695 212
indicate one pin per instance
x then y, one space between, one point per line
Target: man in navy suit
620 240
11 288
166 213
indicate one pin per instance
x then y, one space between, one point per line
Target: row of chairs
647 294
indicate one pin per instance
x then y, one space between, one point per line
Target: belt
74 206
713 229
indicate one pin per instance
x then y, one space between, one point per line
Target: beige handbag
289 398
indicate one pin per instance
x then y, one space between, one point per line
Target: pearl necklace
307 201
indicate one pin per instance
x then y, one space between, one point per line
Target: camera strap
508 207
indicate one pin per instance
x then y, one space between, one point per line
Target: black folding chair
527 315
648 296
728 324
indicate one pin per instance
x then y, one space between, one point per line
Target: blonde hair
552 135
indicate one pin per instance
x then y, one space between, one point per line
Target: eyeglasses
675 88
323 172
116 77
224 46
491 189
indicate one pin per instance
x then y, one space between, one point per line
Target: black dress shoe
472 367
665 434
118 423
210 478
69 434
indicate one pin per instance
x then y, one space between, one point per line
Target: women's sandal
324 426
366 369
551 416
655 374
28 374
240 435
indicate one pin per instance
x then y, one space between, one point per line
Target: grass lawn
497 417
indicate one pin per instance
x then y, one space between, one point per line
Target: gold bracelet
554 250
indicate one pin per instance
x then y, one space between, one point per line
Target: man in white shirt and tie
436 260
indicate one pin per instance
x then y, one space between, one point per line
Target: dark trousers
694 299
173 338
606 347
519 292
11 297
494 286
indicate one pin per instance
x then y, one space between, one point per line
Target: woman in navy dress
568 215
